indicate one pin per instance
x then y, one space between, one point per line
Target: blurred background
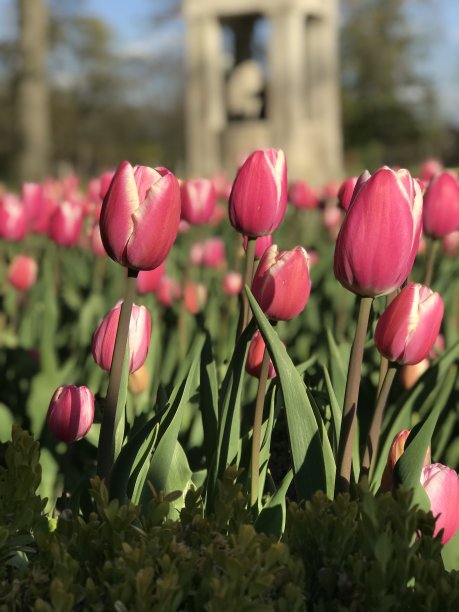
84 85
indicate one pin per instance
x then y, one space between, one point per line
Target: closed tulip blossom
410 374
450 244
71 412
429 168
261 244
65 224
214 253
198 200
97 246
232 283
301 195
408 328
148 280
346 191
194 297
140 216
379 237
22 272
281 284
103 341
255 357
441 205
395 452
258 197
168 291
442 487
13 218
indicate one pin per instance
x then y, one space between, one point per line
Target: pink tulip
71 412
395 452
332 217
450 244
97 246
140 216
346 190
22 272
441 205
194 297
148 280
167 291
408 328
103 341
259 194
232 283
13 218
255 357
261 244
281 284
65 224
442 487
219 214
301 195
410 374
196 253
214 255
198 200
429 168
379 238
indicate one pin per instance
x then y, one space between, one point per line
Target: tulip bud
450 244
259 194
22 272
442 487
65 224
148 280
255 357
103 342
346 191
301 195
198 200
261 244
232 283
138 380
140 216
196 253
194 296
410 374
408 328
441 205
395 452
213 255
429 168
71 412
13 218
379 237
97 246
167 291
281 284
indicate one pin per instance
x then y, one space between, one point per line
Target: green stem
248 274
346 441
371 448
106 449
432 247
256 434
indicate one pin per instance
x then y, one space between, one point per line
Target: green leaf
178 479
339 360
335 407
208 400
311 471
271 519
450 554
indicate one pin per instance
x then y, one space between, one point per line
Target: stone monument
263 73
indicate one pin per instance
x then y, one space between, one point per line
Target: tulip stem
106 448
248 274
256 434
430 261
346 440
371 449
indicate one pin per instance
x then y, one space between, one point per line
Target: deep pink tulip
214 254
261 244
346 190
198 200
196 253
450 244
408 328
13 218
441 205
379 237
148 280
332 217
395 452
442 487
140 216
97 246
105 180
259 194
255 357
65 224
22 272
302 195
232 283
168 291
281 284
194 296
429 168
71 412
103 341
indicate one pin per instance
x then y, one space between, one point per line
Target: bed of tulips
156 333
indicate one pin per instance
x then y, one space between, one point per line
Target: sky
131 22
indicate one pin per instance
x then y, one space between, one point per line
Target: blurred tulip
261 244
97 246
140 216
71 412
255 357
214 255
219 214
65 224
346 191
442 487
103 341
332 217
198 200
196 253
301 195
259 194
222 185
167 291
450 244
379 237
441 205
232 283
429 168
194 297
105 180
410 374
148 280
22 272
438 347
138 381
395 452
330 190
408 328
281 284
13 218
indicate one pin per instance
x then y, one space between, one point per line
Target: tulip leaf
334 406
208 399
339 360
312 471
266 435
179 478
450 554
271 519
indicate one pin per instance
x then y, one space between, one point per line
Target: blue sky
131 21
